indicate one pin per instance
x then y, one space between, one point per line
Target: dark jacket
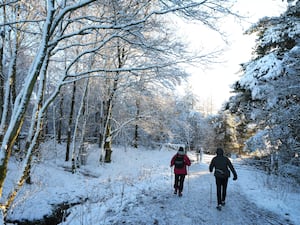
221 162
183 170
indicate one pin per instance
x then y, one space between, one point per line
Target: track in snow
197 206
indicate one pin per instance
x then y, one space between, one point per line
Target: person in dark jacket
180 160
220 164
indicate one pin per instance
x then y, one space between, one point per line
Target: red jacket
187 162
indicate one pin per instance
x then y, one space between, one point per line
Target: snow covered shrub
290 171
256 145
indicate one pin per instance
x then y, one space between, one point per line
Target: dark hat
181 151
220 151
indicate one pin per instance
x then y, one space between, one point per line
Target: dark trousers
221 189
179 180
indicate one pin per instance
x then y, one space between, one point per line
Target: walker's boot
219 207
180 194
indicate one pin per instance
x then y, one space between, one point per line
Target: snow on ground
137 188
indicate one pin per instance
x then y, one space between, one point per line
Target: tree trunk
2 36
107 143
136 133
107 134
2 74
9 95
101 122
23 100
107 129
35 119
61 114
81 112
34 130
69 132
1 92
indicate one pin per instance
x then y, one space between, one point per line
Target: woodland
106 72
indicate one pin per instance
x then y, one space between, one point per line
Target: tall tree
268 92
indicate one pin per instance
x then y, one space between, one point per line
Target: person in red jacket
180 160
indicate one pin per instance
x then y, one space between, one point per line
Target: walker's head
220 151
181 151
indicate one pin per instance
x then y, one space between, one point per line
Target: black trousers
221 189
179 180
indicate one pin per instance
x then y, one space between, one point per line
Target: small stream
59 212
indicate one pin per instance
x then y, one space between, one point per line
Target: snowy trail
137 188
160 206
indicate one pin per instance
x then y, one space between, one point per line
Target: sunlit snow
136 188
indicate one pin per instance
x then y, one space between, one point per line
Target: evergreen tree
267 95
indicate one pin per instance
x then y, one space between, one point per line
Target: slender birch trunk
69 131
81 113
34 120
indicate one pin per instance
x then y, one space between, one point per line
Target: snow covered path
197 206
137 188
